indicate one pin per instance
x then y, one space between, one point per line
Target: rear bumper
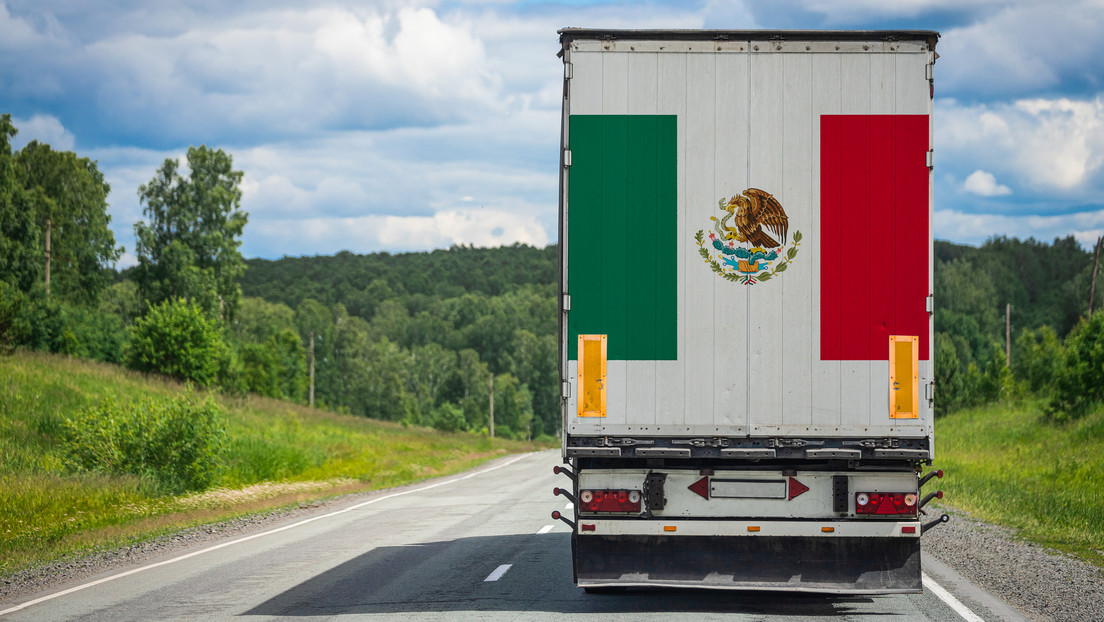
841 565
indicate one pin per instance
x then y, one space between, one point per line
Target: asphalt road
479 546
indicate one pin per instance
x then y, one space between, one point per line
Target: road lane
428 553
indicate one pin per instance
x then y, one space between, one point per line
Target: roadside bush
49 324
11 302
1037 357
177 339
1079 380
449 418
175 445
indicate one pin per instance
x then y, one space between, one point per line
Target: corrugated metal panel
748 358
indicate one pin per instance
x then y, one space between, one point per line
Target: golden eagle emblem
751 212
755 219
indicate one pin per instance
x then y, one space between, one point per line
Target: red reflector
624 501
908 529
701 487
584 527
885 503
796 488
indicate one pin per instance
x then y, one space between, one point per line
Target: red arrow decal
702 487
796 488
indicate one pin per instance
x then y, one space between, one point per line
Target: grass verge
1005 464
278 454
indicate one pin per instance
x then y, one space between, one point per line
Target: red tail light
891 503
609 500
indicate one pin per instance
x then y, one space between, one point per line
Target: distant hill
346 276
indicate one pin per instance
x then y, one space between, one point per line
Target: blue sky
410 125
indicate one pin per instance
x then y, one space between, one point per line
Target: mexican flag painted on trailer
622 250
622 256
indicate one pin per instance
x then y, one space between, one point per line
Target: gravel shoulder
1041 583
1038 582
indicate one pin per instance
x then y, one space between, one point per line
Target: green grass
1006 465
279 454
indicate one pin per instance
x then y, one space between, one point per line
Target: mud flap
797 564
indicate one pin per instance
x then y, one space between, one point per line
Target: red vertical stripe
874 234
853 270
913 228
881 249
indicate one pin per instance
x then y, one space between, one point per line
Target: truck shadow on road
451 576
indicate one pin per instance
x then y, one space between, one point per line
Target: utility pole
492 406
48 227
1008 334
1096 264
310 401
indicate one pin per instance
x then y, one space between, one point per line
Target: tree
1079 379
70 211
189 249
177 339
20 247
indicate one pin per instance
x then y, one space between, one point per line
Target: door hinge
566 302
567 71
929 392
929 72
565 390
929 304
931 159
567 158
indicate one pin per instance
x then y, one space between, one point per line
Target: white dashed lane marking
498 572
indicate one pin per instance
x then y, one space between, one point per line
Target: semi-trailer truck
746 308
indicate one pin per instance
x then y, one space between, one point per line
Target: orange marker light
670 528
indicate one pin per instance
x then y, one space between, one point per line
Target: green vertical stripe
622 228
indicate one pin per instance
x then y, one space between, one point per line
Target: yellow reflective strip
904 377
592 376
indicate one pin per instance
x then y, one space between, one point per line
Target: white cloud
977 228
1016 47
45 129
17 33
126 260
983 184
477 227
1051 146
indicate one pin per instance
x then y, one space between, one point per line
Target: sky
409 125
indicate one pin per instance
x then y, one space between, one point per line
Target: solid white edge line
949 598
216 547
498 572
545 529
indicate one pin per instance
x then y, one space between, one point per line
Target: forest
427 338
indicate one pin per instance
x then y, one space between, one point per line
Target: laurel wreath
746 279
